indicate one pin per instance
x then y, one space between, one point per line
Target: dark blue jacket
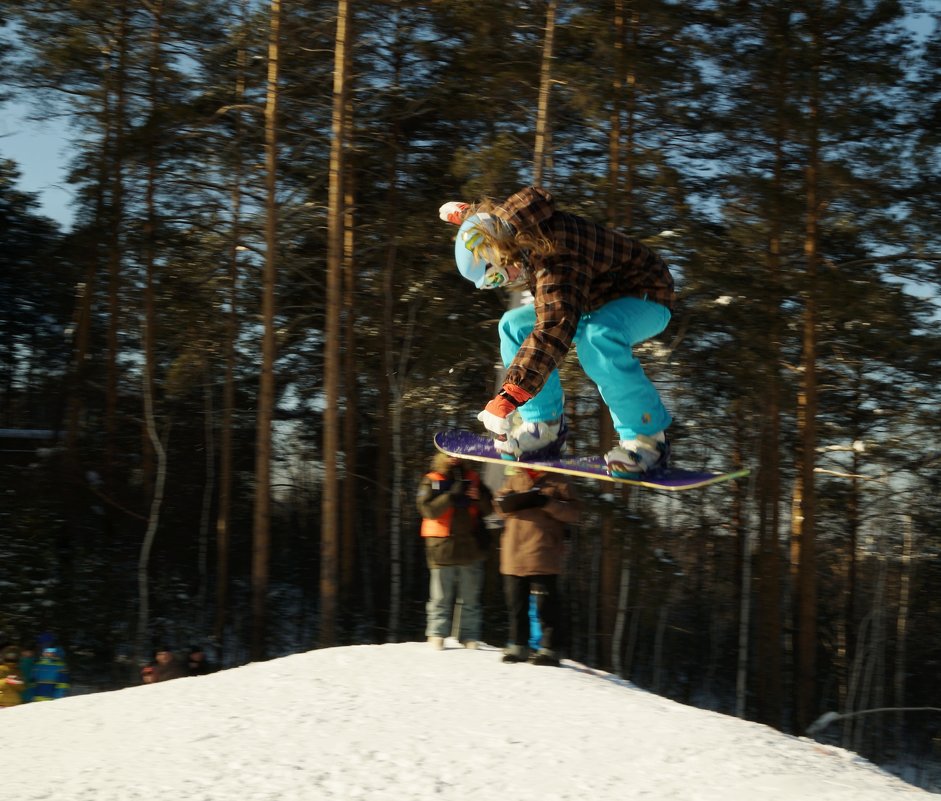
50 677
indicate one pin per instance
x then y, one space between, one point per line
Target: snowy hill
403 722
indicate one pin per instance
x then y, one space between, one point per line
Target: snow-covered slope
403 722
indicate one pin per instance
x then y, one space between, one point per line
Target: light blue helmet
474 260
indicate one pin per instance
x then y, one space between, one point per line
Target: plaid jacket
590 267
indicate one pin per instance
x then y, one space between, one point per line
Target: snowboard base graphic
479 448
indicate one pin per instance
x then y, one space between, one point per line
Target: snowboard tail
479 448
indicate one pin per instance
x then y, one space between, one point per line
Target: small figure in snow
453 501
196 662
12 684
592 287
26 666
537 507
50 675
166 666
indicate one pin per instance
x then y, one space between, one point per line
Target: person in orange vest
453 501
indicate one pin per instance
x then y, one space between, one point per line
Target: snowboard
479 448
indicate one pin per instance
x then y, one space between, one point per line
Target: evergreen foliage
783 157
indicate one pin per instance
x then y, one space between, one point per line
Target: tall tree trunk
224 511
768 661
620 619
621 122
153 519
629 37
115 226
901 628
157 447
807 427
744 624
594 600
261 534
150 209
872 677
395 521
614 553
663 615
81 325
329 539
209 489
398 383
391 389
745 535
149 334
615 146
609 580
351 410
387 466
543 132
845 624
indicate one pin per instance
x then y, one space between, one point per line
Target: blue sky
40 150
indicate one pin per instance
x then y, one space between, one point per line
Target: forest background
219 387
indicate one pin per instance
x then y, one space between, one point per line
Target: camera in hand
517 501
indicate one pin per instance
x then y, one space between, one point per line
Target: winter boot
546 657
437 643
515 653
634 456
534 441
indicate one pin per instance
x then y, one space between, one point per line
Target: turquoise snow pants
604 341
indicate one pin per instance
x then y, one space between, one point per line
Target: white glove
501 426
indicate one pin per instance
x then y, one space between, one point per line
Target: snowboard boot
634 456
538 441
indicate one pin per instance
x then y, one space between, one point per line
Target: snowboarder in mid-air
592 287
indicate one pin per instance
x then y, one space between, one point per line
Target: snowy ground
405 723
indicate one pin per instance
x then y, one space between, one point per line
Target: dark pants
545 589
